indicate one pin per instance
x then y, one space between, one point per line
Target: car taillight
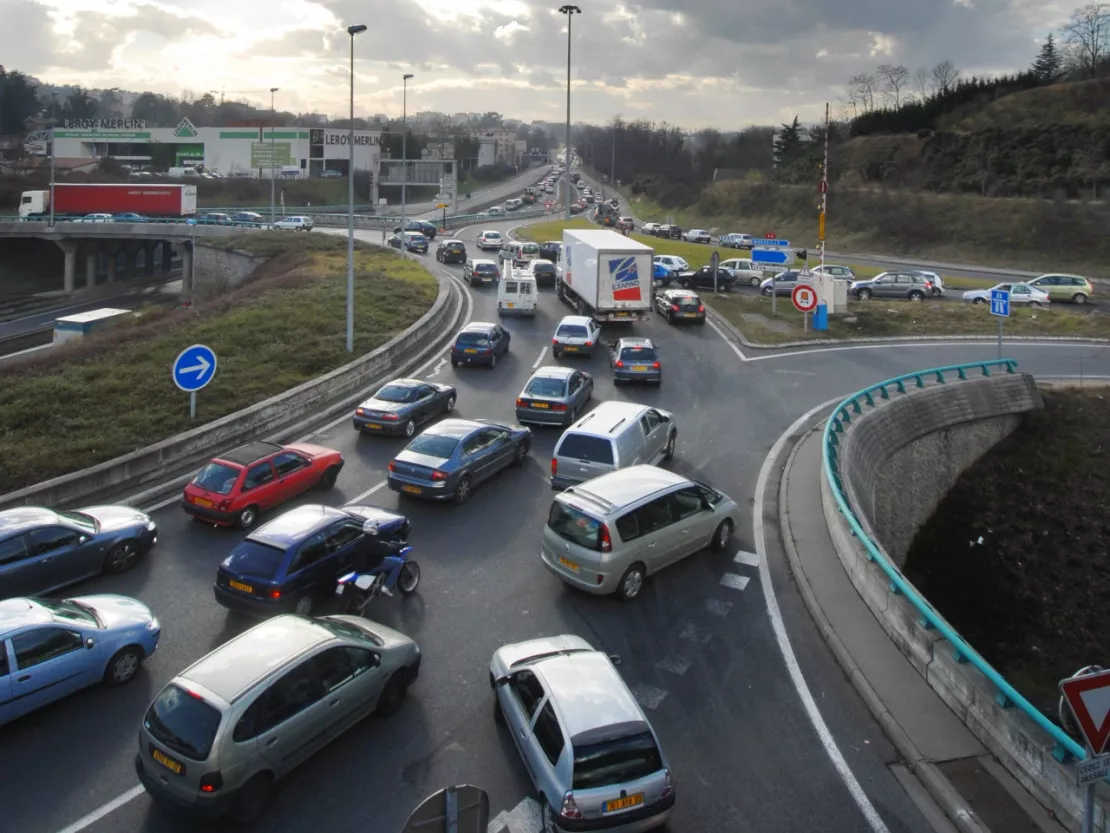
554 341
668 785
675 307
392 466
589 344
554 467
223 505
655 366
605 541
360 412
390 417
274 594
210 782
520 403
438 475
558 407
701 308
570 810
619 363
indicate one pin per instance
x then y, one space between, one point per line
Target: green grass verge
752 316
112 393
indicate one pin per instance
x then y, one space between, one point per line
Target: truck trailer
72 200
605 275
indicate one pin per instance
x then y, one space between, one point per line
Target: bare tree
894 78
864 87
921 83
1088 36
847 105
944 76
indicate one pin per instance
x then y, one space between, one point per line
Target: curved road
698 646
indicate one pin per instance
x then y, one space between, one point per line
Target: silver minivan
607 535
586 743
221 732
613 435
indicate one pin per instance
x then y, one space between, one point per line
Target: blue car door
309 570
51 662
345 538
7 707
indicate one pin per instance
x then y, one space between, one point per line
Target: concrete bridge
111 242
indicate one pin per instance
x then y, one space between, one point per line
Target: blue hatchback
293 562
479 342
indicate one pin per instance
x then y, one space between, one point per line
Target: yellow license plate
470 350
639 367
691 315
238 585
510 306
373 427
624 803
199 501
570 565
168 762
540 405
571 349
412 490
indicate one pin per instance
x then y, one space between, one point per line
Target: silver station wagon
585 741
608 534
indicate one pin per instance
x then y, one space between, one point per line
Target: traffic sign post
193 369
1000 307
804 297
1087 695
443 205
715 262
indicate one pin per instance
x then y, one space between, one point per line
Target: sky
690 63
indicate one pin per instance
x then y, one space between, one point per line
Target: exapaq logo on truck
626 279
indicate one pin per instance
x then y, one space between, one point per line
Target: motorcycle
395 572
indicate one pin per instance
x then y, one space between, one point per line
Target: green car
1073 288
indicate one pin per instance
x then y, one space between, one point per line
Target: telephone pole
824 188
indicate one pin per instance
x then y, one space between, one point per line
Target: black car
292 563
575 208
544 272
451 251
251 219
214 219
550 249
703 278
429 230
401 405
680 305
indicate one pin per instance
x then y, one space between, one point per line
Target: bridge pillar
69 249
149 248
186 270
111 255
92 260
130 259
167 255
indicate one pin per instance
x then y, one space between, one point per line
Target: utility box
833 294
71 327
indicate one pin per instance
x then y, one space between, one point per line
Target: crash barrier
866 431
280 416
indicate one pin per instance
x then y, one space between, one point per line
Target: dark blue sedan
414 242
401 405
451 457
129 217
292 563
479 342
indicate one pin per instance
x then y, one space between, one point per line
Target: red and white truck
77 200
605 275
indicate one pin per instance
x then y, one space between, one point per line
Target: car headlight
151 525
154 624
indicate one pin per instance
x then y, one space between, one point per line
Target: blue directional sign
771 243
1000 303
777 256
194 368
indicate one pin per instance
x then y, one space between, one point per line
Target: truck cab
34 204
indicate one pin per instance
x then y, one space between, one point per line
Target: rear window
544 268
183 722
512 287
481 339
218 478
257 560
485 269
545 386
615 761
586 447
396 393
638 354
687 301
571 331
434 445
574 526
530 248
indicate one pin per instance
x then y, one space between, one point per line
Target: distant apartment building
504 144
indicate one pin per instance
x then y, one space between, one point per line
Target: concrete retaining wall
896 462
154 463
222 269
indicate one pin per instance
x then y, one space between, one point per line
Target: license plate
691 315
238 585
570 565
540 405
639 367
373 427
571 349
624 803
199 501
510 306
168 762
470 350
412 490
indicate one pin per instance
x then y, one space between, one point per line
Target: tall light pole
570 12
53 122
273 158
352 31
404 159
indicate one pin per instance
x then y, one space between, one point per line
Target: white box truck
606 275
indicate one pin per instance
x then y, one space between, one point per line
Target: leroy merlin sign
271 154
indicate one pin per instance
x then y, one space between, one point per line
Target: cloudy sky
687 62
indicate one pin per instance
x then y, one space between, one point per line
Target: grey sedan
554 396
911 285
403 404
783 283
450 458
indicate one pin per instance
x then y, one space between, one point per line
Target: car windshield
571 331
638 354
257 560
68 610
546 386
347 630
434 445
395 393
615 761
218 478
574 526
183 721
492 235
481 339
80 519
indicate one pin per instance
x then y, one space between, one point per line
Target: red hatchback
235 487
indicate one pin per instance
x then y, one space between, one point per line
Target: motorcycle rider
375 551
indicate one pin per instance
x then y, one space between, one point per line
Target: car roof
581 320
22 518
492 231
552 371
291 527
484 261
454 428
451 240
236 666
623 486
19 613
606 417
590 694
477 327
249 453
634 341
1058 275
542 262
680 293
406 383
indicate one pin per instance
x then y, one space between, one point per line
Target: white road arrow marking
525 817
438 367
200 368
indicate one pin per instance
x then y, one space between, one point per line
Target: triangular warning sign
1089 700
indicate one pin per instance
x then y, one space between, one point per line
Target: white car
497 211
744 271
844 273
672 262
95 218
490 240
938 282
576 334
697 235
295 223
1020 294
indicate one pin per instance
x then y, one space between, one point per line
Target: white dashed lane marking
674 665
748 559
692 633
734 581
717 607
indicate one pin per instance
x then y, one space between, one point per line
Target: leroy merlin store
252 151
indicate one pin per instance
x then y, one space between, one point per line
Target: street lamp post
570 12
404 159
53 121
273 158
352 31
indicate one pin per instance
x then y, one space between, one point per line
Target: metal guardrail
1066 748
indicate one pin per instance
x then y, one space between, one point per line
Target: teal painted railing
1066 748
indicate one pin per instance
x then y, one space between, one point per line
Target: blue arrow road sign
1000 303
780 256
771 243
194 368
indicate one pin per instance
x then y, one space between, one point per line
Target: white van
516 293
520 252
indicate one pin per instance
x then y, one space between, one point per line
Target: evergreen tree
1049 62
791 137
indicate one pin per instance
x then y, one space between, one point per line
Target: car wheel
251 799
1035 304
1079 298
247 517
670 318
462 490
864 295
303 607
520 454
328 478
410 428
449 405
978 300
767 291
393 695
721 536
672 440
917 297
493 361
454 362
632 582
123 666
122 557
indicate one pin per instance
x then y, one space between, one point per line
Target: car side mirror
502 680
616 659
376 660
90 643
370 528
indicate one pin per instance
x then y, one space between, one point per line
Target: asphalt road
701 655
127 300
483 197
